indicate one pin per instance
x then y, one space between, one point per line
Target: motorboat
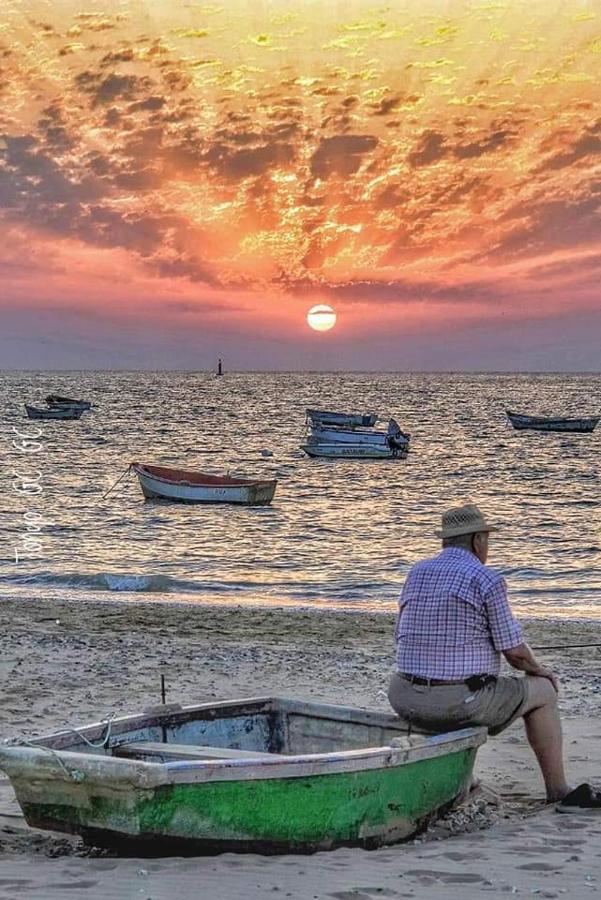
362 436
356 442
337 450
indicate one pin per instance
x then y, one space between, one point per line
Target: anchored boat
350 436
545 423
54 412
357 436
339 450
263 774
158 482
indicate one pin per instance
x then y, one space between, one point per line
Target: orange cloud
394 158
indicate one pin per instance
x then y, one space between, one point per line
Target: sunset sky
183 180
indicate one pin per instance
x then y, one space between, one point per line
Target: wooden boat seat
157 750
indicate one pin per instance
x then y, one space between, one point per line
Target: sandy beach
67 663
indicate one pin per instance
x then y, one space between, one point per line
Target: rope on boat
104 742
74 774
121 477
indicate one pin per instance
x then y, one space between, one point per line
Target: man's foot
582 799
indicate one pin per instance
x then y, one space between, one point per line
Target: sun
321 317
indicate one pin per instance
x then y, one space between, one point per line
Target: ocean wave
129 582
555 574
112 581
591 590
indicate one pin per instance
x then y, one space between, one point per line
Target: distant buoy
219 368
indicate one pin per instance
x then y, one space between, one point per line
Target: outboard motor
395 438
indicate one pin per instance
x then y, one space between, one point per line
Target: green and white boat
260 774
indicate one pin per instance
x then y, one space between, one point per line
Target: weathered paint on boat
158 482
363 796
312 812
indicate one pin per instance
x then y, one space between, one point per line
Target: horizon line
249 371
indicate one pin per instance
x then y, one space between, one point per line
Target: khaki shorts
447 707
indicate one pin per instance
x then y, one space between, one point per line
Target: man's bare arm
523 659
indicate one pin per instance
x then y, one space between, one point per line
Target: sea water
340 533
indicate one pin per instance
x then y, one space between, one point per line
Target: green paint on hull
368 807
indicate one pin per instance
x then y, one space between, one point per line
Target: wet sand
66 663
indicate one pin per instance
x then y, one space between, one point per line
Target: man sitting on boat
454 624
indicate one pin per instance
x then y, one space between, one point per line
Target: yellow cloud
192 32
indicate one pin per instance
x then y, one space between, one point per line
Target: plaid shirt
454 618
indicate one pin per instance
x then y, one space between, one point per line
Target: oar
112 488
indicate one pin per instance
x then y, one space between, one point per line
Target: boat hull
305 814
540 423
336 450
59 413
364 796
84 407
259 494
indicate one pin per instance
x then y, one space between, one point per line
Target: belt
474 682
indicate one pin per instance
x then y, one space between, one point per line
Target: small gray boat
321 418
546 423
54 412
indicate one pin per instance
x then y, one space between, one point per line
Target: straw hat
463 520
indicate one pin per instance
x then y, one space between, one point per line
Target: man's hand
523 659
544 672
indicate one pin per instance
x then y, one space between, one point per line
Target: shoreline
173 600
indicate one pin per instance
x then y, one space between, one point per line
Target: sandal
582 799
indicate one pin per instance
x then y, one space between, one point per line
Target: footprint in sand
363 893
64 885
533 851
349 895
448 877
540 867
564 843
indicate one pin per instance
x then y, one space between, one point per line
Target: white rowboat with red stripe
182 486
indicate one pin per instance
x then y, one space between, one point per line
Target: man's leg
543 730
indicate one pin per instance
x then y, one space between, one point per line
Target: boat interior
183 476
243 729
